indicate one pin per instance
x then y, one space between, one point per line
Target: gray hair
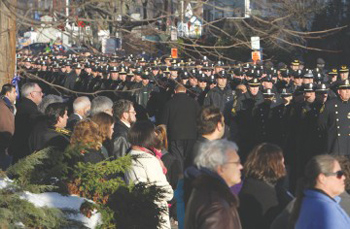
80 103
120 107
28 88
101 104
214 153
47 100
318 164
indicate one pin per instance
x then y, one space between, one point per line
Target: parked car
36 47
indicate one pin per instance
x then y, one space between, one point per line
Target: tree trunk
7 43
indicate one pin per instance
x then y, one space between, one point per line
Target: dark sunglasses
339 174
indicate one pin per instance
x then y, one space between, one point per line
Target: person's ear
219 126
220 170
321 178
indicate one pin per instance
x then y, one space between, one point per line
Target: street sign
255 41
256 55
174 53
173 35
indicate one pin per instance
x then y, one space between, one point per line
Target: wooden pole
7 42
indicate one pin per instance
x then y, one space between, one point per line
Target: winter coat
119 140
7 125
180 116
320 211
26 118
260 203
146 168
211 205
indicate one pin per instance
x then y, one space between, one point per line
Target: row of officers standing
305 111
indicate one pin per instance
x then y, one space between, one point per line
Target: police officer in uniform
220 95
263 118
243 112
335 119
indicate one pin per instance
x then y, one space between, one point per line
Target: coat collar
214 182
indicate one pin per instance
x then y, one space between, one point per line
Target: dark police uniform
335 119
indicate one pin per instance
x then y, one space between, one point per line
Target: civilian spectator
148 167
179 115
51 131
101 104
7 122
262 196
125 115
26 117
212 204
105 124
87 135
81 109
317 203
47 100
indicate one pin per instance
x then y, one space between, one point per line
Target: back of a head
104 122
180 88
27 88
208 119
265 162
142 133
80 103
86 133
47 100
101 104
214 153
121 106
6 88
162 135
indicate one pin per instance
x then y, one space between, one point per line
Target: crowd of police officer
304 110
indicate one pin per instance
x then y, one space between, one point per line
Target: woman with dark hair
147 166
105 124
86 136
262 196
317 202
171 163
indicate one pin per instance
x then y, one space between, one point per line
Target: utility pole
7 43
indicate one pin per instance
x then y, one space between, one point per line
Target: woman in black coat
263 195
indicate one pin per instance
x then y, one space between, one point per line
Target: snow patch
56 200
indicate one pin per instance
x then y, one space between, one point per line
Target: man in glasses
212 205
26 118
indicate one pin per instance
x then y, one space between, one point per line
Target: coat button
338 127
336 112
337 119
338 134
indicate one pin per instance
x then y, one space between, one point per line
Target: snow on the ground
4 182
56 200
